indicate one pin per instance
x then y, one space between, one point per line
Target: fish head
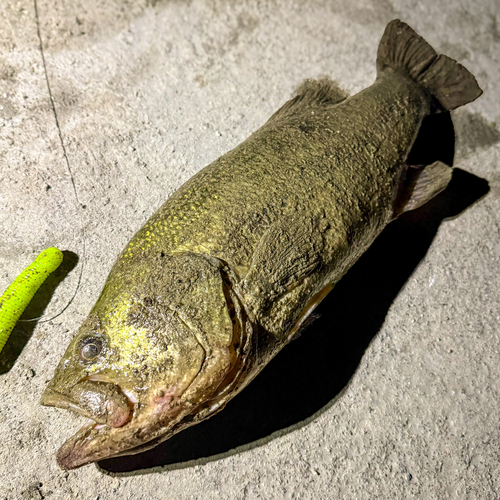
139 366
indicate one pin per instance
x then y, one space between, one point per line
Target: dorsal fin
311 94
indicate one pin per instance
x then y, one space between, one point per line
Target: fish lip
51 397
72 454
58 400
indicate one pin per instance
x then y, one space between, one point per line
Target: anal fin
421 185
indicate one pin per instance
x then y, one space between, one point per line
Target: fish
233 264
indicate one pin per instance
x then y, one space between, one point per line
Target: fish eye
90 348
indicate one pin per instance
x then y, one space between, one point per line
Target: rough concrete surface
146 93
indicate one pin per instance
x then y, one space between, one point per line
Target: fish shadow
25 327
307 375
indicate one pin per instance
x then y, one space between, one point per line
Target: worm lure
19 294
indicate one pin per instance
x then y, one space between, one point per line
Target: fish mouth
95 441
105 403
114 432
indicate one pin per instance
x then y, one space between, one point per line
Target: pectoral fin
288 252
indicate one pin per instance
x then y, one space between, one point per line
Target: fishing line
68 167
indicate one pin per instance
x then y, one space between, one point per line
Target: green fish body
229 268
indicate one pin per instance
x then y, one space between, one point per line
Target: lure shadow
24 329
310 372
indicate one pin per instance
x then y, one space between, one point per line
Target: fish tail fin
449 83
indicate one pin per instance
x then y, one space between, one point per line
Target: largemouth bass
227 271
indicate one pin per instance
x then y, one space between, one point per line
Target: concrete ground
146 93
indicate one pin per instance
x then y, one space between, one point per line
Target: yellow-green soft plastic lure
19 294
